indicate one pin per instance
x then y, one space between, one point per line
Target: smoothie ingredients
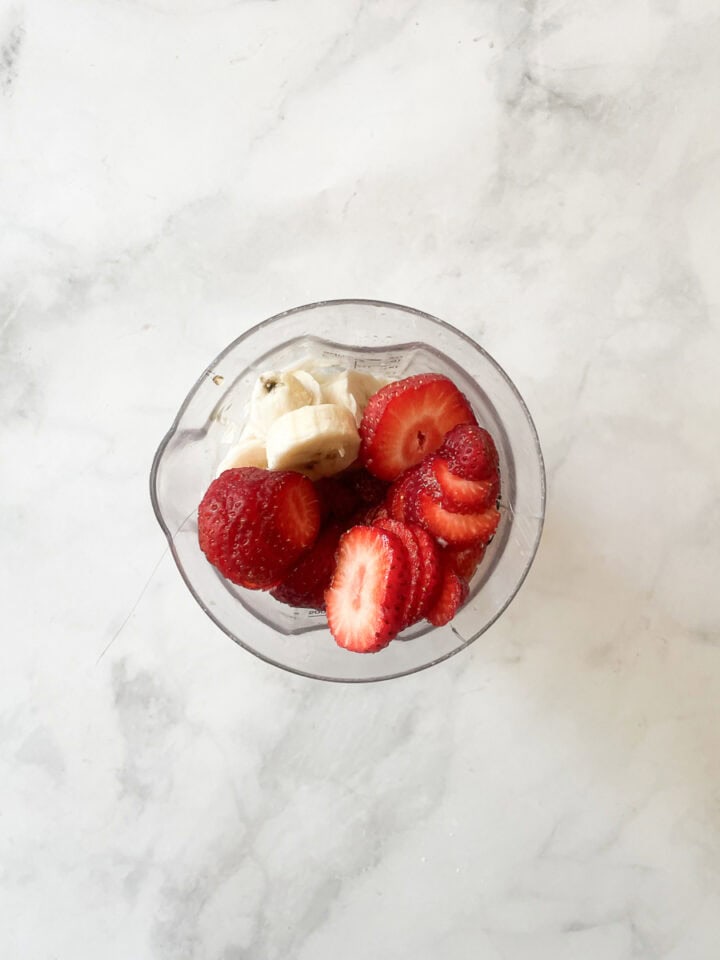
372 501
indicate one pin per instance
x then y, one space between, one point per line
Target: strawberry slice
462 495
253 524
407 420
451 596
430 567
365 602
306 583
403 494
465 560
470 452
400 494
456 527
406 534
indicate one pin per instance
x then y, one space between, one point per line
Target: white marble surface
545 175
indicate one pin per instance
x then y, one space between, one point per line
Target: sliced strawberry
456 527
465 560
470 452
365 602
305 584
294 512
462 495
430 566
451 596
402 495
408 419
253 524
406 535
397 494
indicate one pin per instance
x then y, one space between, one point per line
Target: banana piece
317 440
276 393
310 384
352 389
248 452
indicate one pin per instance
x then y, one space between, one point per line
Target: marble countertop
543 175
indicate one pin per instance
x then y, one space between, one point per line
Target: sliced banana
277 393
315 440
248 452
352 389
310 384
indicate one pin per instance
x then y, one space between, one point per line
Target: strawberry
402 496
408 419
455 527
451 596
406 534
365 602
459 494
465 560
470 452
253 524
430 567
398 493
305 584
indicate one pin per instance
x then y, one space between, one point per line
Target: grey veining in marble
544 175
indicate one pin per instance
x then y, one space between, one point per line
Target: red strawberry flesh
460 494
430 567
451 596
456 527
365 602
406 535
408 419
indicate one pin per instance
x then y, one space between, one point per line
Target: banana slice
276 393
352 389
315 440
310 384
248 452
